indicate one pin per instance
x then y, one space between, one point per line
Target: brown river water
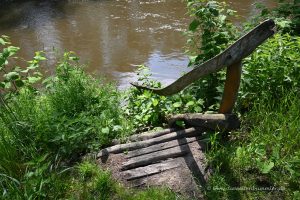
111 36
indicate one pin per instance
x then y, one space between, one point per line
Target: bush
209 34
43 131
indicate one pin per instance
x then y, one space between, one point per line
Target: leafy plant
209 33
43 131
287 15
15 77
149 109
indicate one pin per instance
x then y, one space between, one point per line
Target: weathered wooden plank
233 54
210 121
156 157
159 147
191 132
150 169
231 88
146 135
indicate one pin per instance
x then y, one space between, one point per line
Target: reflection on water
111 36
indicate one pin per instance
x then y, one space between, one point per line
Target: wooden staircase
171 157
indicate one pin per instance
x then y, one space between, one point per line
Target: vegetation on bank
261 160
49 127
47 131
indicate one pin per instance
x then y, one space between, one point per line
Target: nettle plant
209 34
149 110
15 77
211 31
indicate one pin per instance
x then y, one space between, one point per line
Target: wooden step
191 132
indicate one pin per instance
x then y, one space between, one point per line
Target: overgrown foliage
209 34
271 70
262 159
150 110
286 14
43 131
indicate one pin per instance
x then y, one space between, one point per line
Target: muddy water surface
111 36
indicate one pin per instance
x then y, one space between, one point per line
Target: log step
146 135
154 157
159 147
191 132
215 122
149 170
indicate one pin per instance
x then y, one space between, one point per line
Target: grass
263 157
91 182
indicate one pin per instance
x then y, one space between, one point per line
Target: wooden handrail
230 57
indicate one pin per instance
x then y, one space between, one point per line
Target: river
111 37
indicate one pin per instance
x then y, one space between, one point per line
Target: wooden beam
191 132
159 147
231 88
150 169
233 54
146 135
156 157
216 122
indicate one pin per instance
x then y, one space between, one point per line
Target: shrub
43 131
209 34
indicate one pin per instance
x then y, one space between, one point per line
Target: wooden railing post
231 88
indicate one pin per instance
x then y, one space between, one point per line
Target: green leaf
2 41
12 50
105 130
33 66
12 76
117 128
19 83
194 25
74 58
25 70
198 109
154 102
190 103
177 104
266 167
39 56
2 84
180 123
7 85
33 79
